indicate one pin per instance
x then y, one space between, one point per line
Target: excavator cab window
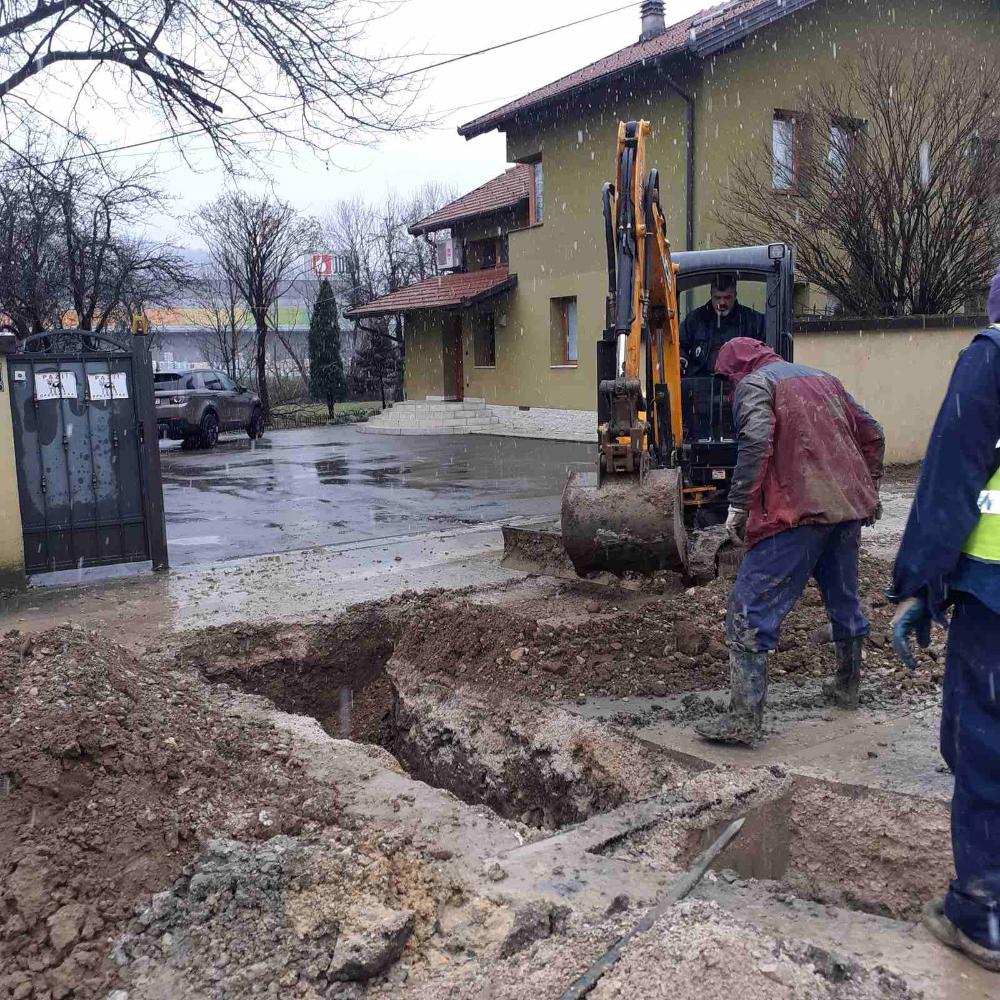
725 305
760 308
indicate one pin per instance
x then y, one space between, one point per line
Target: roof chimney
653 22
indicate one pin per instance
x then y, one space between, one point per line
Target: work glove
912 620
736 525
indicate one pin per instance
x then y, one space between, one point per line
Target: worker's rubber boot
843 690
743 724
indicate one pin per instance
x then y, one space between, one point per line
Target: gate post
12 575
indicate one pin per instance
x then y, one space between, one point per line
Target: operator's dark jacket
961 457
808 452
703 333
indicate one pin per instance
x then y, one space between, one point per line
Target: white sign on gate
108 386
55 385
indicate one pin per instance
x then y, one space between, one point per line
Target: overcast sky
454 94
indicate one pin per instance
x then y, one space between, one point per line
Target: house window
785 151
482 254
485 341
537 192
843 136
565 342
986 163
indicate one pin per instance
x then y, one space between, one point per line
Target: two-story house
517 321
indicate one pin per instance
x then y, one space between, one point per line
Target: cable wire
196 130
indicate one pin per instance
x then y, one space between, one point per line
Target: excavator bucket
625 524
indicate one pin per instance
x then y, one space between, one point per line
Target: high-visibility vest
983 543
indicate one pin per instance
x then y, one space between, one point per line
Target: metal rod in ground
675 894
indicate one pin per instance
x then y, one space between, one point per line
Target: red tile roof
701 34
445 291
510 188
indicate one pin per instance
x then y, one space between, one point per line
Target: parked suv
193 407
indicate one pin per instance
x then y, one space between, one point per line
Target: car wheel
209 434
255 429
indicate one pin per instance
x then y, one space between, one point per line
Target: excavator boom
633 518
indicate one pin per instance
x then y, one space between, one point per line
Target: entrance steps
473 416
432 416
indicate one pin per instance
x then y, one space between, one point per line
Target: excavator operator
718 321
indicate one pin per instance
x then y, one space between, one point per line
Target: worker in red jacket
806 479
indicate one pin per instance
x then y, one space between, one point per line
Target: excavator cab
764 276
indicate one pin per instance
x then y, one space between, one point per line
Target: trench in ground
875 851
853 847
338 677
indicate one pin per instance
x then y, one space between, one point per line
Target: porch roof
443 291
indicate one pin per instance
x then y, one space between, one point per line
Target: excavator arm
633 520
641 400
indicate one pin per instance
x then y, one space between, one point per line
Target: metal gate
86 445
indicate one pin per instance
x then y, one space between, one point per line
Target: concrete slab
334 486
870 749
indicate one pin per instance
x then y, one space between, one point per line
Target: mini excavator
666 445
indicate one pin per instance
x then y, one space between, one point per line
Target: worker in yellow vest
950 558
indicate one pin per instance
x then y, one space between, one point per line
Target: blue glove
912 620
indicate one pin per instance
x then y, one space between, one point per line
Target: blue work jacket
962 455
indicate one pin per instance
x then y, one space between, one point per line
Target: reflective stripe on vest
984 542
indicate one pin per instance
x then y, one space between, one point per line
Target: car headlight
178 399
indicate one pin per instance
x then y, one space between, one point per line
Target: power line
197 130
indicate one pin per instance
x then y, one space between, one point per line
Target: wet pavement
331 486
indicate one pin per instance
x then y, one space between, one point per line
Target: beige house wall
736 94
11 541
870 363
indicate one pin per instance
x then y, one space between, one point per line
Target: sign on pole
326 265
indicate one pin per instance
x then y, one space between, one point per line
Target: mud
113 775
167 832
658 640
624 525
537 764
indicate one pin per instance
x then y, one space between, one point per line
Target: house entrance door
454 372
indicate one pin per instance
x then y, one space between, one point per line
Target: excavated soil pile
617 642
291 917
111 773
695 952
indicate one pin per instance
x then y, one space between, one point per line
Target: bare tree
32 266
380 256
224 321
260 244
297 68
894 191
73 245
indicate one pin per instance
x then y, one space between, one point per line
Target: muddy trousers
970 745
771 579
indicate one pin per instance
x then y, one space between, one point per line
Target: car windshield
172 381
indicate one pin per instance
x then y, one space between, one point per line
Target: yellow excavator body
633 518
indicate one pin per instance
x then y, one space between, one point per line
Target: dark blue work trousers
774 573
970 745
